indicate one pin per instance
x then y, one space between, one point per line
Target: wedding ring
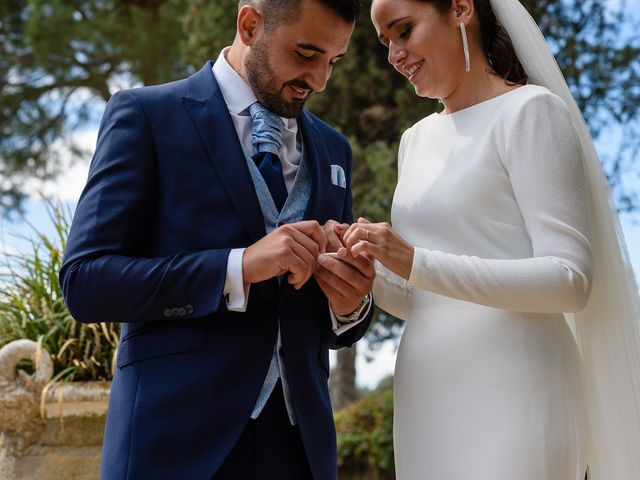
367 237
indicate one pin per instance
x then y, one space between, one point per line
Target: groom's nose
317 77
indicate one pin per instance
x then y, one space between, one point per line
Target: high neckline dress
487 381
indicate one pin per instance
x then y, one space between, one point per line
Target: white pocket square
337 176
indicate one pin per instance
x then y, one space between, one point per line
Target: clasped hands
299 249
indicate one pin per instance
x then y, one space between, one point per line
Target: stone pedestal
48 432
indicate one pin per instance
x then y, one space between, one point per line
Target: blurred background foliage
61 60
32 307
365 437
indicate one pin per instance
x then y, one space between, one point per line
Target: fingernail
342 253
322 259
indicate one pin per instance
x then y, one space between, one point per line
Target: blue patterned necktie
266 136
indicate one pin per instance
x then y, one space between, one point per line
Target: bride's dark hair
495 41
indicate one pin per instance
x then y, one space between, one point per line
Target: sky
68 186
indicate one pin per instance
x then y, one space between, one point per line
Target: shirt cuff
363 310
236 293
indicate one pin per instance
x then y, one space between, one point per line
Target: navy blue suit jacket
168 195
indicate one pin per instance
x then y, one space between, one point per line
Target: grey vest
292 211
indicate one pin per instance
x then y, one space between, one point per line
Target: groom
201 228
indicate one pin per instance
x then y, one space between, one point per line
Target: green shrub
365 437
32 307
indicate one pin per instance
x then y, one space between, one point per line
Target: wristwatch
355 315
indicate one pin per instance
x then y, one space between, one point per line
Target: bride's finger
349 233
366 249
344 252
356 234
354 226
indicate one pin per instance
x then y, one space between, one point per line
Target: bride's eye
406 30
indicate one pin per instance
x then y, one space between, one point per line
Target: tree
57 56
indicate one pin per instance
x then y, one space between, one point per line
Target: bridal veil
608 329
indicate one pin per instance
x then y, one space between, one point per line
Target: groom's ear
249 24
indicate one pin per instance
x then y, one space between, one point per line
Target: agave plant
32 306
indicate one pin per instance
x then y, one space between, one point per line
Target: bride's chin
423 92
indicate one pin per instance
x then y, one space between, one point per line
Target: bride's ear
463 10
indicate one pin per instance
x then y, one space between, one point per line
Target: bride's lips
412 70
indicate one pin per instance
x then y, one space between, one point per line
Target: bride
502 227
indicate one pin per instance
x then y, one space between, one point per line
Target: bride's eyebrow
383 39
393 22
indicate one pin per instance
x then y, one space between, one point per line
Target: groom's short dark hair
277 12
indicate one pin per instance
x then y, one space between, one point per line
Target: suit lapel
209 112
317 158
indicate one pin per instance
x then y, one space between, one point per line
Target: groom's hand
290 248
345 280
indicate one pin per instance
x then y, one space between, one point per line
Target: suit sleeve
107 274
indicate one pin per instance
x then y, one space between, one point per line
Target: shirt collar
237 93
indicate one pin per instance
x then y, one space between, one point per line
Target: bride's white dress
487 382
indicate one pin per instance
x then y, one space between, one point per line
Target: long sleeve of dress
541 156
390 291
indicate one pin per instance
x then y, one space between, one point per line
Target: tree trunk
342 382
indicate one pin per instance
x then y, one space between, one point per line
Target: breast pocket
160 342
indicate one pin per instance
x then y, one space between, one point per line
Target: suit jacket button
167 312
188 309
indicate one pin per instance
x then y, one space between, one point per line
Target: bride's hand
379 241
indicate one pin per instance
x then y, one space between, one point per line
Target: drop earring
465 47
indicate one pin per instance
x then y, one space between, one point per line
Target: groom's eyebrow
310 46
314 48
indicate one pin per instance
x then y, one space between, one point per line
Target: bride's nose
396 55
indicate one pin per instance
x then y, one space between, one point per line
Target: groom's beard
265 85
